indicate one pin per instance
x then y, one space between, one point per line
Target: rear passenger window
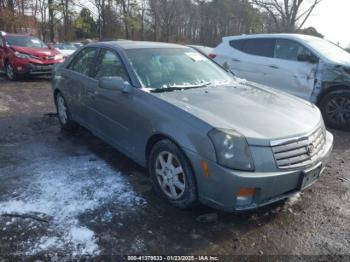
260 47
289 50
238 44
83 61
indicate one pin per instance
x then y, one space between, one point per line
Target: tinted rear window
259 46
238 44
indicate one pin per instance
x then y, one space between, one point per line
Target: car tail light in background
212 56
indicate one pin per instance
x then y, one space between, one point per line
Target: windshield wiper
178 87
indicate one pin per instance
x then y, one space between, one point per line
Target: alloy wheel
170 175
338 110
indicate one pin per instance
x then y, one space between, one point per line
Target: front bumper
220 187
34 68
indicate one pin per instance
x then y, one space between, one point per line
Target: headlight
22 55
58 57
232 150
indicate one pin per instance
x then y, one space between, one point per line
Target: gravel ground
71 194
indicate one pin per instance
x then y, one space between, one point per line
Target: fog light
19 68
245 196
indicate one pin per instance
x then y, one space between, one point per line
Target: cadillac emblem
310 149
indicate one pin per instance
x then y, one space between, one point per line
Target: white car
65 49
306 66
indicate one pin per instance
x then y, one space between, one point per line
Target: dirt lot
71 194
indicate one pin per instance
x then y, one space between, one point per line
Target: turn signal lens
246 192
205 168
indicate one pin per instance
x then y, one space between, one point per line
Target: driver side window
109 64
289 50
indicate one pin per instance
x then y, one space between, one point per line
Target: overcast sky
332 19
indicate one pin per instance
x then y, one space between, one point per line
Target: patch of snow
82 236
63 190
293 199
4 108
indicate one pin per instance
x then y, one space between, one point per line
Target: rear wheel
172 175
10 73
335 107
63 113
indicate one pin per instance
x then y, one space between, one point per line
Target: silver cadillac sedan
205 136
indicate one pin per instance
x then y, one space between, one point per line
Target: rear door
289 74
77 79
254 55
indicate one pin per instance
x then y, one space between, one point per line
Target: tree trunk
51 21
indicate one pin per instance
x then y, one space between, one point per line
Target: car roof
128 44
200 46
287 36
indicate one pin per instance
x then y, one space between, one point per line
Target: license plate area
42 68
307 178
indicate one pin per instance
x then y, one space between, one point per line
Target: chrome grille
300 151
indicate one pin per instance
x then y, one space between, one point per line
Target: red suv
24 55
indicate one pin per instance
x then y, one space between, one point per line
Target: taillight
212 56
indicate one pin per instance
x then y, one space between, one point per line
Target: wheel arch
155 138
332 88
6 61
55 93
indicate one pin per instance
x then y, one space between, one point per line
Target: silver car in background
305 66
203 135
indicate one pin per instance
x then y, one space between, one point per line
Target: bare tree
288 15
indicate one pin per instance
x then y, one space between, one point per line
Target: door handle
274 66
236 60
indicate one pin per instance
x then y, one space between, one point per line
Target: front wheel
335 107
172 175
10 72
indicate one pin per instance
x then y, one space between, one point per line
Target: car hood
260 114
43 53
65 52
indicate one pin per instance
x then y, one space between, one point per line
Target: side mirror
308 58
114 83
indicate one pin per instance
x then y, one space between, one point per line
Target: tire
10 73
175 174
335 107
63 113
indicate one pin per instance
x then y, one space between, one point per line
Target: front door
289 74
110 107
